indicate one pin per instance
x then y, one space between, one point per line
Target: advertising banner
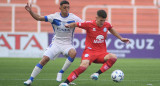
140 46
23 44
34 45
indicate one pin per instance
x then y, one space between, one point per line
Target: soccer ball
117 76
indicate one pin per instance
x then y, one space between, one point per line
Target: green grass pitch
137 72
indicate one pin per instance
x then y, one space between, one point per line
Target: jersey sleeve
77 19
83 25
49 18
110 26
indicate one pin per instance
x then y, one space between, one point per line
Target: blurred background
127 16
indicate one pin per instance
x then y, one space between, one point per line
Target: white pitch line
83 80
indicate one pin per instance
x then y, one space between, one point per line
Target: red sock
76 73
108 64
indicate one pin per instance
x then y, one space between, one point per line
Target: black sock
99 72
67 81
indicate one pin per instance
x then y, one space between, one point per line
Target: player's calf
66 65
107 65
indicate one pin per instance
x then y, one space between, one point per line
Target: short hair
102 13
64 2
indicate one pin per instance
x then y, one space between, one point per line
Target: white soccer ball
117 76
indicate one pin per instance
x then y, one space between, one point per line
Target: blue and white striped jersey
61 33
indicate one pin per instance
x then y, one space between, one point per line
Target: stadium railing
110 7
132 6
13 6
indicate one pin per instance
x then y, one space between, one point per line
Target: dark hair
64 2
102 13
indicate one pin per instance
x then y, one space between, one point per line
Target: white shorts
55 49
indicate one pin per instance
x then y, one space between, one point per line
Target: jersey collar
94 22
64 17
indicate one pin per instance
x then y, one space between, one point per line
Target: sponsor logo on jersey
89 48
94 29
99 39
63 30
74 77
86 55
105 29
106 67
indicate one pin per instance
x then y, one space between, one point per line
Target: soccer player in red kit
95 50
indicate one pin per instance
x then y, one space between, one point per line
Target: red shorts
93 56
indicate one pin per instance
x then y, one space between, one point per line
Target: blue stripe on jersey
53 28
56 22
54 32
46 19
72 36
50 45
73 30
70 22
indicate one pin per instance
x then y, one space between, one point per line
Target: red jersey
95 35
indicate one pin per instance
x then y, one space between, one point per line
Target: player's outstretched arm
126 40
71 25
28 7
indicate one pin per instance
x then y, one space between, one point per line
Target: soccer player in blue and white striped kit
61 42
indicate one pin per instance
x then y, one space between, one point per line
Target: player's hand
67 25
126 40
28 7
71 25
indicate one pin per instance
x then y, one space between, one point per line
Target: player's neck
98 24
64 14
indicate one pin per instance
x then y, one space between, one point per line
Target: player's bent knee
72 53
85 63
110 56
113 56
44 60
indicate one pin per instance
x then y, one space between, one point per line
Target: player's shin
67 63
75 74
37 69
108 64
35 72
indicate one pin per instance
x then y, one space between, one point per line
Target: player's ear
96 17
60 7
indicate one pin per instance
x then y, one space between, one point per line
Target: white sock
35 71
66 65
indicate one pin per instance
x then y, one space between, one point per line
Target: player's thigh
110 55
52 51
68 50
88 56
100 58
